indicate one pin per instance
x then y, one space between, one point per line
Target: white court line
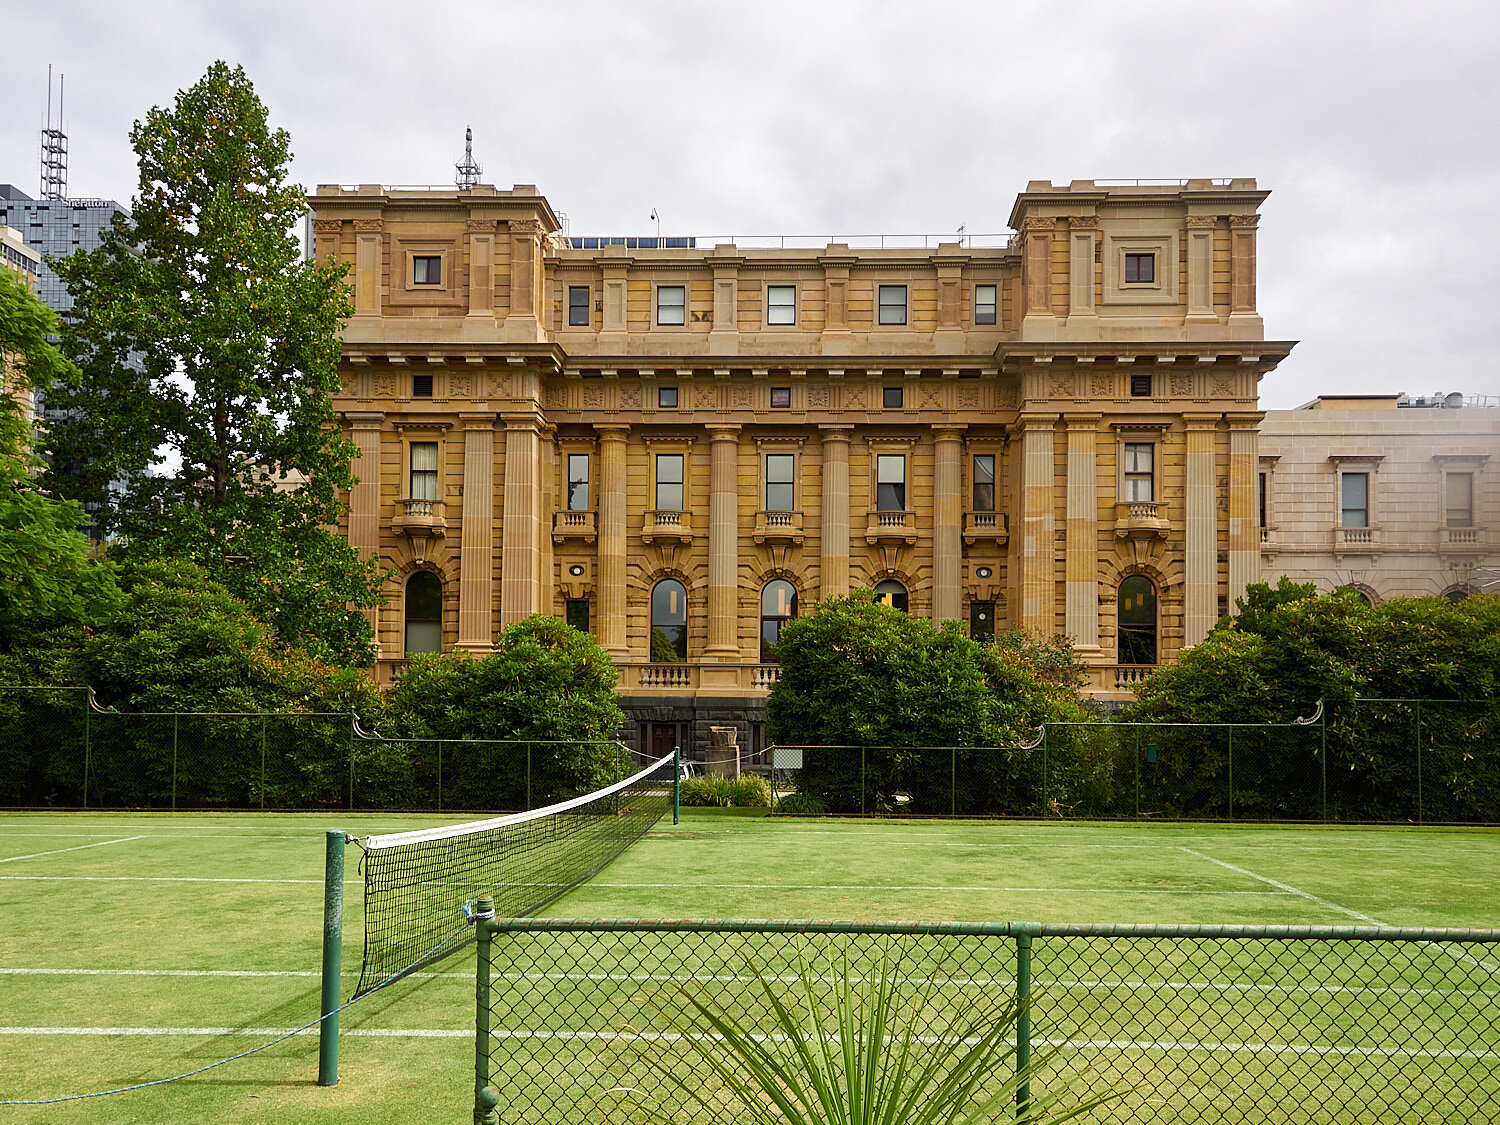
673 1036
74 848
153 878
926 887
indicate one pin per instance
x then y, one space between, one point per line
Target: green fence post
486 1097
1323 754
88 711
953 786
677 785
352 723
440 776
1137 772
333 957
1044 770
262 761
1419 761
1023 1026
174 761
861 781
528 777
1231 771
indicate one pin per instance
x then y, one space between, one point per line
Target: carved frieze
743 396
1202 222
369 224
1223 386
1102 385
327 226
385 384
593 396
460 384
630 396
968 396
1060 384
1181 384
705 397
817 396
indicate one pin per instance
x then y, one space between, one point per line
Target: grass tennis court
137 946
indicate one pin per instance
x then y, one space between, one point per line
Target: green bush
800 804
748 792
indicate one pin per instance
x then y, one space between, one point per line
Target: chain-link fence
594 1021
60 749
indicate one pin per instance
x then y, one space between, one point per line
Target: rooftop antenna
54 146
468 171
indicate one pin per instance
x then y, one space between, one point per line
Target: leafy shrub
794 804
748 792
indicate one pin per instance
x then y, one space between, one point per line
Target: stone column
724 335
476 586
481 267
1083 230
1201 598
364 498
947 524
723 544
1036 265
1038 577
1200 269
1081 611
522 324
835 538
611 584
1244 532
1242 269
521 522
367 236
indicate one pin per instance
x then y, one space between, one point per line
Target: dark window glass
421 386
890 482
669 622
982 621
779 482
781 398
984 304
578 614
427 270
578 306
984 482
1458 499
1140 386
424 612
1261 498
1355 489
1139 478
1140 268
1137 610
891 593
578 482
891 398
892 304
666 398
669 482
778 605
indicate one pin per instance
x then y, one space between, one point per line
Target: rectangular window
427 269
781 304
578 306
1140 386
890 482
892 304
578 614
984 304
982 621
1261 498
578 482
1458 499
666 398
1140 268
984 482
1354 499
891 398
781 398
671 304
669 482
424 470
779 477
421 386
1138 474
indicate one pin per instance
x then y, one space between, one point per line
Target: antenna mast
468 171
54 146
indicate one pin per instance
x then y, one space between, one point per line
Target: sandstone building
1391 495
682 445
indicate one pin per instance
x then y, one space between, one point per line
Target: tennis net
418 884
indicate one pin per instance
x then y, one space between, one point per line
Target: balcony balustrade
987 526
891 527
1140 518
574 525
666 526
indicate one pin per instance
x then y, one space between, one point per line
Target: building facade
680 447
1389 495
26 264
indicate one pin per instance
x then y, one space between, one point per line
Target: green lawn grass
112 920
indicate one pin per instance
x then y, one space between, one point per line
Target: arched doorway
1137 621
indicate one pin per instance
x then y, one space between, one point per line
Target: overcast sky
1375 125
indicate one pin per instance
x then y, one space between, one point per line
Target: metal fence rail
583 1020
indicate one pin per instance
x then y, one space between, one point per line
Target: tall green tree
48 576
199 421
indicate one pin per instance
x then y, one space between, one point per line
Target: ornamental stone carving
554 397
1202 222
743 399
349 383
817 396
1244 222
1102 385
1060 385
1083 222
630 396
854 397
385 385
481 226
1181 384
968 397
459 384
1009 396
1223 386
705 398
525 226
932 399
593 396
327 226
369 224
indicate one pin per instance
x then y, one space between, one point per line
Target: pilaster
1038 525
481 268
835 537
522 324
1244 532
947 524
1242 312
611 625
1200 599
723 544
1081 597
521 523
368 234
364 497
477 541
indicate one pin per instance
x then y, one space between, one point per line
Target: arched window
1458 594
669 622
424 612
778 605
1362 594
1137 642
891 593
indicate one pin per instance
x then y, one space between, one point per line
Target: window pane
890 482
892 304
424 477
578 482
666 398
424 613
1140 267
427 270
779 483
669 622
578 305
1356 499
984 482
578 615
781 398
781 304
891 398
1459 499
424 636
891 593
982 621
669 482
984 304
670 304
1137 621
1138 458
778 605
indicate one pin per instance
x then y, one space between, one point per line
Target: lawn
139 946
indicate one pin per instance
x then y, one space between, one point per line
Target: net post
333 957
677 785
1023 1027
486 1097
